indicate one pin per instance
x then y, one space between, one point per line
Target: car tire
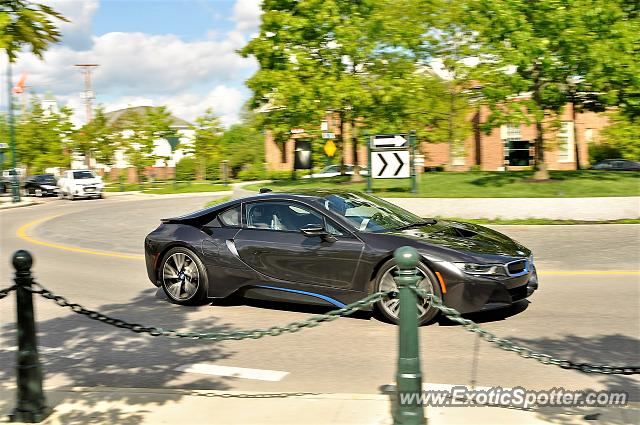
388 308
60 194
183 277
71 197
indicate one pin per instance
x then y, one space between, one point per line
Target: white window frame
567 140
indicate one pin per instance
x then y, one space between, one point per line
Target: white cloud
77 32
143 69
246 14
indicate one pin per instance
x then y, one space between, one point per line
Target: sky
178 53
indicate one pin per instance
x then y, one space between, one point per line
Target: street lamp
15 184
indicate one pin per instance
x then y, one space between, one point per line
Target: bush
602 151
280 175
186 169
251 172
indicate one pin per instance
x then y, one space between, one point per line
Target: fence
31 406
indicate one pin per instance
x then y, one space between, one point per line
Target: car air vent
464 233
517 267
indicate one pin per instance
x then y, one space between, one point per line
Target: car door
272 243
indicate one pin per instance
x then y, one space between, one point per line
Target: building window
458 154
565 142
516 151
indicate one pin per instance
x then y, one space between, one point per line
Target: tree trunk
575 131
541 172
356 177
343 170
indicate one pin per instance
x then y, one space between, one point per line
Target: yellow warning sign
330 148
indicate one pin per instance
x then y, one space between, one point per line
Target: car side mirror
312 230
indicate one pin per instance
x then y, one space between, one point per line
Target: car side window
284 216
230 217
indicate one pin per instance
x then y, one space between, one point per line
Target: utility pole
87 97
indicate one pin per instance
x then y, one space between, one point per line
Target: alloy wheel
180 276
391 305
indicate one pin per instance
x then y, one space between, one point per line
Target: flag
19 87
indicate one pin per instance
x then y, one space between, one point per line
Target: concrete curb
9 205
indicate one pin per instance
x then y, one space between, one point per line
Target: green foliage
23 23
42 137
558 51
97 139
138 132
602 151
622 135
186 168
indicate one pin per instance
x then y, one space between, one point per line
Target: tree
623 135
97 139
539 47
42 137
205 148
139 131
23 23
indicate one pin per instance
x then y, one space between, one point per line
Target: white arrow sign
389 141
390 165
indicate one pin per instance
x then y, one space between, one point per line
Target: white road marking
40 349
236 372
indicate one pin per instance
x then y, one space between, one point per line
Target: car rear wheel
389 308
183 276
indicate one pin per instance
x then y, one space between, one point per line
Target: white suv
80 184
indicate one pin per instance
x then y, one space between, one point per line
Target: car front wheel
389 308
183 277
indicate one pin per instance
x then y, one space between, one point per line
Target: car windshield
79 175
46 179
370 214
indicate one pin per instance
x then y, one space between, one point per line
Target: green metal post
15 184
412 146
407 409
31 404
367 141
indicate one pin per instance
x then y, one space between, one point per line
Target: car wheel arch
170 246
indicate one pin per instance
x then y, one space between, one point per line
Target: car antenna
265 190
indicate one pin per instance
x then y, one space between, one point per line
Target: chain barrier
212 336
507 345
6 291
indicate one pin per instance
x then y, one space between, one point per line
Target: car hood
466 237
88 182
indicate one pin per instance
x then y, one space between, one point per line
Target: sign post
367 142
391 157
412 165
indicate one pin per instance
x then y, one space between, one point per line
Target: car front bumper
471 293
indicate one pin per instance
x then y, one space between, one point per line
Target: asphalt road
587 310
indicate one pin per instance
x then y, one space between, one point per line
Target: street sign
390 164
389 141
297 130
330 148
328 135
3 146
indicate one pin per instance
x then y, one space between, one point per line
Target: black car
40 185
617 165
333 248
5 185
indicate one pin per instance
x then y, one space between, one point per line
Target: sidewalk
148 406
5 203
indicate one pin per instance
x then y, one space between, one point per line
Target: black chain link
6 291
213 336
507 345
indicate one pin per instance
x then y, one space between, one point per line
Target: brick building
509 147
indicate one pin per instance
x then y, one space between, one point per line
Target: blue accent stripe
312 294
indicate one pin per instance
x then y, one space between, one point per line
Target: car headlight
482 269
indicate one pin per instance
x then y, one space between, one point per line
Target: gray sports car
332 247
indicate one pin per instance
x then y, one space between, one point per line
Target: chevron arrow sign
390 164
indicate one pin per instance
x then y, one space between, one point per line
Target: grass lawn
164 188
481 184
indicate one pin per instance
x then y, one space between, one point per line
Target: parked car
40 185
333 248
334 170
617 165
5 184
80 184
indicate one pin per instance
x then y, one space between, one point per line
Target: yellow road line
22 233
